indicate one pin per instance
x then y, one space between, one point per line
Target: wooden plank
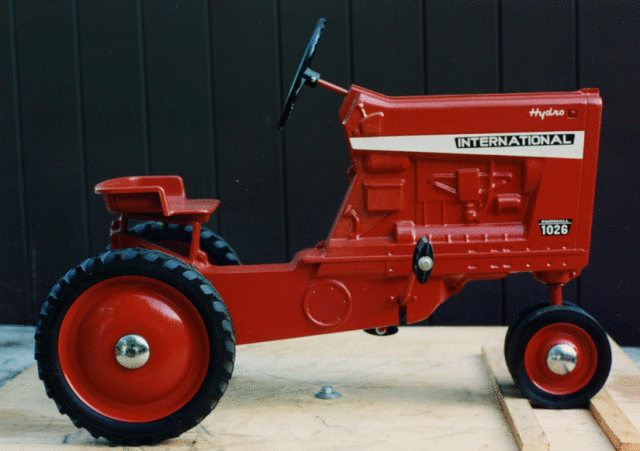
517 410
114 102
623 383
572 429
607 412
622 433
614 407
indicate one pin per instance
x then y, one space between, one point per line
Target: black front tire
533 338
521 315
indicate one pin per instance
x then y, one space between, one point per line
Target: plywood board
424 388
622 433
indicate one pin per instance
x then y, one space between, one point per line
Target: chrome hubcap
132 351
562 359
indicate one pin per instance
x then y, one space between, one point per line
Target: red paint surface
481 213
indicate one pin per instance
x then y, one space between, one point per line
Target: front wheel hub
132 351
562 359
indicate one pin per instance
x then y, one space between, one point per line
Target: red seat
156 196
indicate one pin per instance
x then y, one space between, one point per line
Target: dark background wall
91 90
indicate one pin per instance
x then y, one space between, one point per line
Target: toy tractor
137 344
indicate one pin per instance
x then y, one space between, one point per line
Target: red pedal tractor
137 344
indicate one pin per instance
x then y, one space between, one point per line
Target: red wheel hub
165 318
535 358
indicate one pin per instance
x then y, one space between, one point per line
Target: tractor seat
152 196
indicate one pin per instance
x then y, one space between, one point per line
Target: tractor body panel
498 183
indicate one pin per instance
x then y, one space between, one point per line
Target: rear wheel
134 346
559 356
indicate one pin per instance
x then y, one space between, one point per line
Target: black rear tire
176 237
112 295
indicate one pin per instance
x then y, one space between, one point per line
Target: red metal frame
497 183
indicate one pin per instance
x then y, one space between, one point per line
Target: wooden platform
424 388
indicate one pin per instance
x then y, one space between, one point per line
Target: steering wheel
304 75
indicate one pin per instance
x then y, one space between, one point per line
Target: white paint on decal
563 144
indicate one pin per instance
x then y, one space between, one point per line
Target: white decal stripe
447 144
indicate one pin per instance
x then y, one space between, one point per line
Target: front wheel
508 342
559 356
134 346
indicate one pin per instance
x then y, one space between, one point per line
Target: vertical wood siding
94 90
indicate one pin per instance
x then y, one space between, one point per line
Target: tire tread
102 267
